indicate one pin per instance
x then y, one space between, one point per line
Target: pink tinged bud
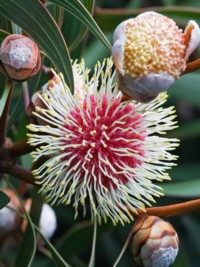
155 242
150 52
20 57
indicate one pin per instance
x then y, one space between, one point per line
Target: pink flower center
104 141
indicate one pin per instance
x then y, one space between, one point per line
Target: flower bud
155 242
20 57
8 218
150 52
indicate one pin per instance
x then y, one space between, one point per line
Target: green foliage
4 199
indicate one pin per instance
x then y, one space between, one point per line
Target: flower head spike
101 153
150 52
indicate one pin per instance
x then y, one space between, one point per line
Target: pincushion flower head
150 52
101 153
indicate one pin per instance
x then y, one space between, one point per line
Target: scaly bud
20 57
155 242
150 52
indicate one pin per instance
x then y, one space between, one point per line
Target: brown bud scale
155 242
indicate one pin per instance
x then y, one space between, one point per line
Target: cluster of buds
155 242
150 52
19 57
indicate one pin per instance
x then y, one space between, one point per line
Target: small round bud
155 242
20 57
149 52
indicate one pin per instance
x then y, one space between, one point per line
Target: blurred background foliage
73 239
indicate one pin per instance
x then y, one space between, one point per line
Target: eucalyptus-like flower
101 153
149 52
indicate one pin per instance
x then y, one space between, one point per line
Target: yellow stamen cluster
154 44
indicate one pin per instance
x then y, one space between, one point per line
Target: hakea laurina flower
150 52
155 242
101 150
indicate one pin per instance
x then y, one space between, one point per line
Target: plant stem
3 118
20 149
92 257
192 66
17 171
124 248
172 210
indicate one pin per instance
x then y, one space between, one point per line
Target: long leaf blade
57 258
76 8
4 199
28 248
35 19
189 189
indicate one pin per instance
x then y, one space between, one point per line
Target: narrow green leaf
17 109
189 189
36 207
92 257
3 35
108 19
89 4
4 98
57 258
4 199
35 19
28 246
76 8
78 238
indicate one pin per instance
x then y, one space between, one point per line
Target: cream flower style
101 153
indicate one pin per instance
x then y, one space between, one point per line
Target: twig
19 149
171 210
3 118
17 171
